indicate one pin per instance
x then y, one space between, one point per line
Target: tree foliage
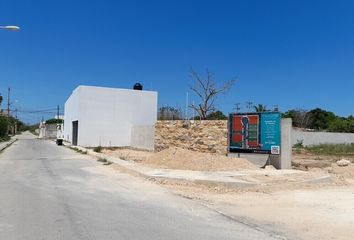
4 126
54 121
217 115
320 120
169 113
260 108
301 118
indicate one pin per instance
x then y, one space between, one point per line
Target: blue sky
295 54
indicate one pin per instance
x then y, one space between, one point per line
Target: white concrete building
110 117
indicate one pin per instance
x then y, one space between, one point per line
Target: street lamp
10 28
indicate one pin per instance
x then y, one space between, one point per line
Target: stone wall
204 136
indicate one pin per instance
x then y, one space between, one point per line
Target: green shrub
299 144
54 120
4 127
97 149
102 160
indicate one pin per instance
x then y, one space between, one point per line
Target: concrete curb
8 144
209 180
130 168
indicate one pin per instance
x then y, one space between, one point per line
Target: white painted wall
71 113
107 116
315 138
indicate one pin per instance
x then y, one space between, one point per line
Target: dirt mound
178 158
129 154
347 171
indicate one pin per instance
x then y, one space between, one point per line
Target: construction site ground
298 204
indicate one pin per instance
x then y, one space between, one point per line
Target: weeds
296 164
299 144
102 160
78 150
97 149
332 149
297 151
5 138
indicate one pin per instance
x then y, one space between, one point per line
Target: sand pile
177 158
129 154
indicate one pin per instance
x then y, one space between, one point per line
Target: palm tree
261 108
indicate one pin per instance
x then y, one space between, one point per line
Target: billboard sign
254 133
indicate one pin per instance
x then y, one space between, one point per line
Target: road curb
151 174
128 168
8 144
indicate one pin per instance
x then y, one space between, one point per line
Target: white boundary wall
108 117
315 138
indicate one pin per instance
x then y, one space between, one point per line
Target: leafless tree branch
207 91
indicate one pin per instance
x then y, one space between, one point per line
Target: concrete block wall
315 138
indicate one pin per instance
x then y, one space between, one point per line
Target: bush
4 127
97 149
299 144
54 120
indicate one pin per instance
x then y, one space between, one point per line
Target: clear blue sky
295 54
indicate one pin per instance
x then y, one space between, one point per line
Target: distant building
110 117
47 131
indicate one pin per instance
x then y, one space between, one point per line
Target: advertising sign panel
255 133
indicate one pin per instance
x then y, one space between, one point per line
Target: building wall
203 136
71 113
315 138
107 115
143 137
48 131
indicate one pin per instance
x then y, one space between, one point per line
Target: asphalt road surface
51 192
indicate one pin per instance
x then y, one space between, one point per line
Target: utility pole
15 127
276 108
58 112
237 107
8 102
249 105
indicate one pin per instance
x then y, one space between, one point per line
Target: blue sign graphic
270 132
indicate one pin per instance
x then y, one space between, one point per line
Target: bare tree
169 113
207 91
302 118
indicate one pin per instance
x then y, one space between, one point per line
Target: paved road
50 192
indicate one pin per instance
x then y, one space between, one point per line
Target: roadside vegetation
7 124
332 149
97 149
4 125
78 150
320 120
54 121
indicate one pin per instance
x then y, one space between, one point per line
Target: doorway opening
75 132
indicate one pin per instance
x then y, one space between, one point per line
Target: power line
249 105
237 107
